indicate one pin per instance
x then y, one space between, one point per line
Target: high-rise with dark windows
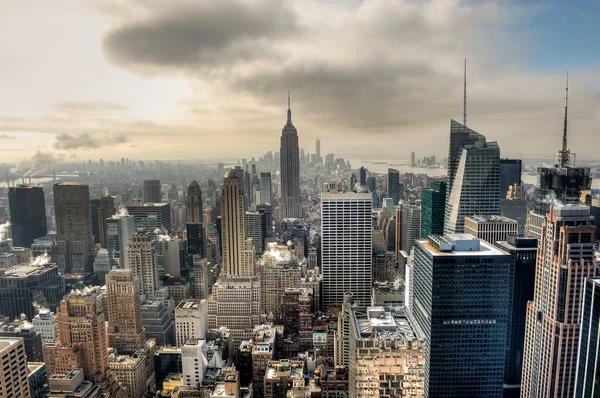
151 191
587 382
433 206
27 214
510 174
394 186
460 302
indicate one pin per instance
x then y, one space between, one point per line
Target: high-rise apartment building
565 258
491 228
119 229
151 191
123 292
346 246
290 204
82 341
510 174
13 369
26 285
410 226
433 207
266 189
587 384
27 214
101 209
141 259
74 240
475 185
238 251
461 298
151 216
393 185
524 253
387 355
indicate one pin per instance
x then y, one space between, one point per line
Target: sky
155 79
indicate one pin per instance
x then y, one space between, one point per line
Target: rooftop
29 269
459 245
491 219
190 304
382 322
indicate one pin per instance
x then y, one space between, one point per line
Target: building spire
465 97
564 152
289 112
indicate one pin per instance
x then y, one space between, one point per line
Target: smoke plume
4 231
41 162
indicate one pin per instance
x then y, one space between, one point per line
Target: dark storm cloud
68 141
184 34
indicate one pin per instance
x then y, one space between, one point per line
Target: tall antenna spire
289 112
465 97
564 152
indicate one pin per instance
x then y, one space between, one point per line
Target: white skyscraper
346 246
476 185
193 361
190 320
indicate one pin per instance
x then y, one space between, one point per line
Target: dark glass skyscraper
510 174
460 135
363 176
460 302
290 169
394 187
433 206
524 252
27 214
101 209
195 218
151 191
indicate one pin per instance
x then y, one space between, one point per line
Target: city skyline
107 91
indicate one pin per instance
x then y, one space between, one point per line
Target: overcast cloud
376 77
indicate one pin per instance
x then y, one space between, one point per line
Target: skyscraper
461 298
318 149
563 182
141 259
363 176
475 185
394 186
515 206
346 246
460 136
119 229
266 193
74 239
27 214
523 251
256 228
433 205
565 258
195 220
290 169
101 209
238 257
587 384
151 216
81 336
510 174
151 191
410 227
13 369
490 228
125 331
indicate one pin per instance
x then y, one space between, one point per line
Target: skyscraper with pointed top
562 183
290 169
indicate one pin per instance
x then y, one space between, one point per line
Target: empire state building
290 169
